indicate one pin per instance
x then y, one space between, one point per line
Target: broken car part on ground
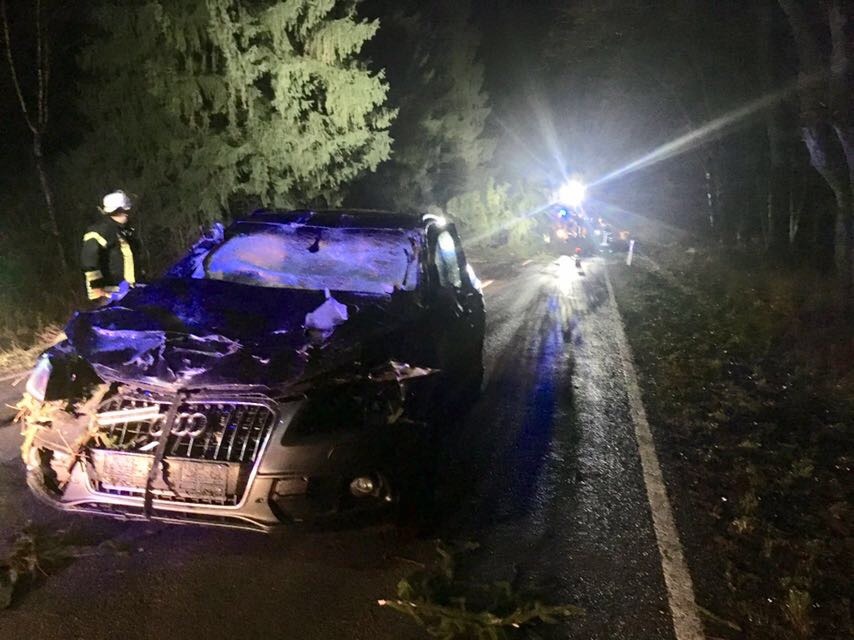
288 367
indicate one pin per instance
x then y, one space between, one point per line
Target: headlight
37 383
475 281
564 268
572 193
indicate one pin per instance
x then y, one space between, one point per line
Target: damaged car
296 364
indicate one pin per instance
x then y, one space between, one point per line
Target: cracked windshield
370 261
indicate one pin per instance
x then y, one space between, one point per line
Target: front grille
231 431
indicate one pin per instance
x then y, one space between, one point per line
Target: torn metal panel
399 372
201 333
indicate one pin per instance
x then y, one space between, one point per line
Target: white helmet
116 200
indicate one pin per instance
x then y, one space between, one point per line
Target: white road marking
677 579
484 285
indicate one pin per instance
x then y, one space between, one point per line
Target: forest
730 121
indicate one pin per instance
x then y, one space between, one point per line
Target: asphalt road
544 473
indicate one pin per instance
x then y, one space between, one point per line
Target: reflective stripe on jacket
109 255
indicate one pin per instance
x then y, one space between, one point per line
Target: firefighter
111 251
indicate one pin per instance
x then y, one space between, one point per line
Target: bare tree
827 116
36 116
776 187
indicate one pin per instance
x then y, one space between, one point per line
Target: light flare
572 193
709 130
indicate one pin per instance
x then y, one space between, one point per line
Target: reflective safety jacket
110 254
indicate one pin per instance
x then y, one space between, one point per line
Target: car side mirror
214 233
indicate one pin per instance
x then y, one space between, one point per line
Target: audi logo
186 424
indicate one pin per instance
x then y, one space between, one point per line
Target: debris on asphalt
451 607
36 554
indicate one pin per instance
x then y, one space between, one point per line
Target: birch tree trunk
826 116
842 115
37 122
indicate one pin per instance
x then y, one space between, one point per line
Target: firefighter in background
111 251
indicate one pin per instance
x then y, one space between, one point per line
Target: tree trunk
819 142
842 238
774 214
842 119
778 192
713 192
794 220
36 118
826 117
846 139
797 197
53 226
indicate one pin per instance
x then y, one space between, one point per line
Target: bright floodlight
572 193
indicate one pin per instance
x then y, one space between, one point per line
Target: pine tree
440 149
196 104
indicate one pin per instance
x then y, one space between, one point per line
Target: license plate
122 471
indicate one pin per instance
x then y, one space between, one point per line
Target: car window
317 258
446 261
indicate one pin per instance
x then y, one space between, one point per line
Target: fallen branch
36 555
450 608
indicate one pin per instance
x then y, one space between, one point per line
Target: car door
457 307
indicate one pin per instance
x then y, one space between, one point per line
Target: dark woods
755 97
730 120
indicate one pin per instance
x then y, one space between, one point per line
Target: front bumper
293 479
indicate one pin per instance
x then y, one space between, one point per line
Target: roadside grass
31 322
19 354
748 377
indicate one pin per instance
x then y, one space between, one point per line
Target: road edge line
677 578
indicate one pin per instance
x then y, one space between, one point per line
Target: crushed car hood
192 333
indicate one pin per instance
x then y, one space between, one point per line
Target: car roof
342 218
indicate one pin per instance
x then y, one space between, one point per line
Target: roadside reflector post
631 253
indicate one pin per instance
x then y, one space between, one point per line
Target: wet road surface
543 473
